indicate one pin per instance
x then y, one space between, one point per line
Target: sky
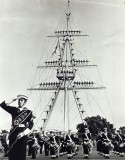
24 26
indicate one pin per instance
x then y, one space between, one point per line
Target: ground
80 156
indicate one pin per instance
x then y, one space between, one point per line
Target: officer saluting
22 123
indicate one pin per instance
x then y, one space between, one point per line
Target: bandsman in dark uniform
57 138
35 147
62 144
40 142
87 143
107 145
53 146
69 146
46 144
30 143
99 143
5 142
75 143
114 140
2 152
22 123
120 138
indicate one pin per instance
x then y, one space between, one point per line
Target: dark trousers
106 149
85 149
41 146
29 150
34 152
69 149
18 151
46 148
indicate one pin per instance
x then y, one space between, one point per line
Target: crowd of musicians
57 144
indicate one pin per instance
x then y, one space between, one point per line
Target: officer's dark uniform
18 151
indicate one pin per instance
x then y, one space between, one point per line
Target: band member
40 142
46 144
57 138
62 144
35 147
2 152
30 143
107 145
53 146
75 143
99 143
5 142
22 123
87 144
120 138
114 139
69 147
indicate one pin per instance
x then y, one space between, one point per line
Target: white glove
20 135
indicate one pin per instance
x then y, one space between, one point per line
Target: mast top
68 2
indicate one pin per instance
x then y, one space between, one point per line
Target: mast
66 67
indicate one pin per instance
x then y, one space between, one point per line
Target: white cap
22 97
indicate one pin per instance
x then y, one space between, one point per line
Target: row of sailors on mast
74 61
68 32
88 83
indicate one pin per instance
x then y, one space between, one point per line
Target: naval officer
22 123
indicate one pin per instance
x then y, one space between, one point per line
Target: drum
109 145
36 146
89 144
121 145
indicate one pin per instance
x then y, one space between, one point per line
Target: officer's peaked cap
22 97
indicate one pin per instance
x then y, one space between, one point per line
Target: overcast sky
23 27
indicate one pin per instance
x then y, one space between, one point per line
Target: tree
95 124
4 131
122 129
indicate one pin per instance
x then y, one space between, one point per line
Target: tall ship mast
66 67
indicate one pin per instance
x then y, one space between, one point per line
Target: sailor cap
22 97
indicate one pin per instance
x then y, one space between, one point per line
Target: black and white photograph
62 79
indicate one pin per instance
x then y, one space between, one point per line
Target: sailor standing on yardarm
22 123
